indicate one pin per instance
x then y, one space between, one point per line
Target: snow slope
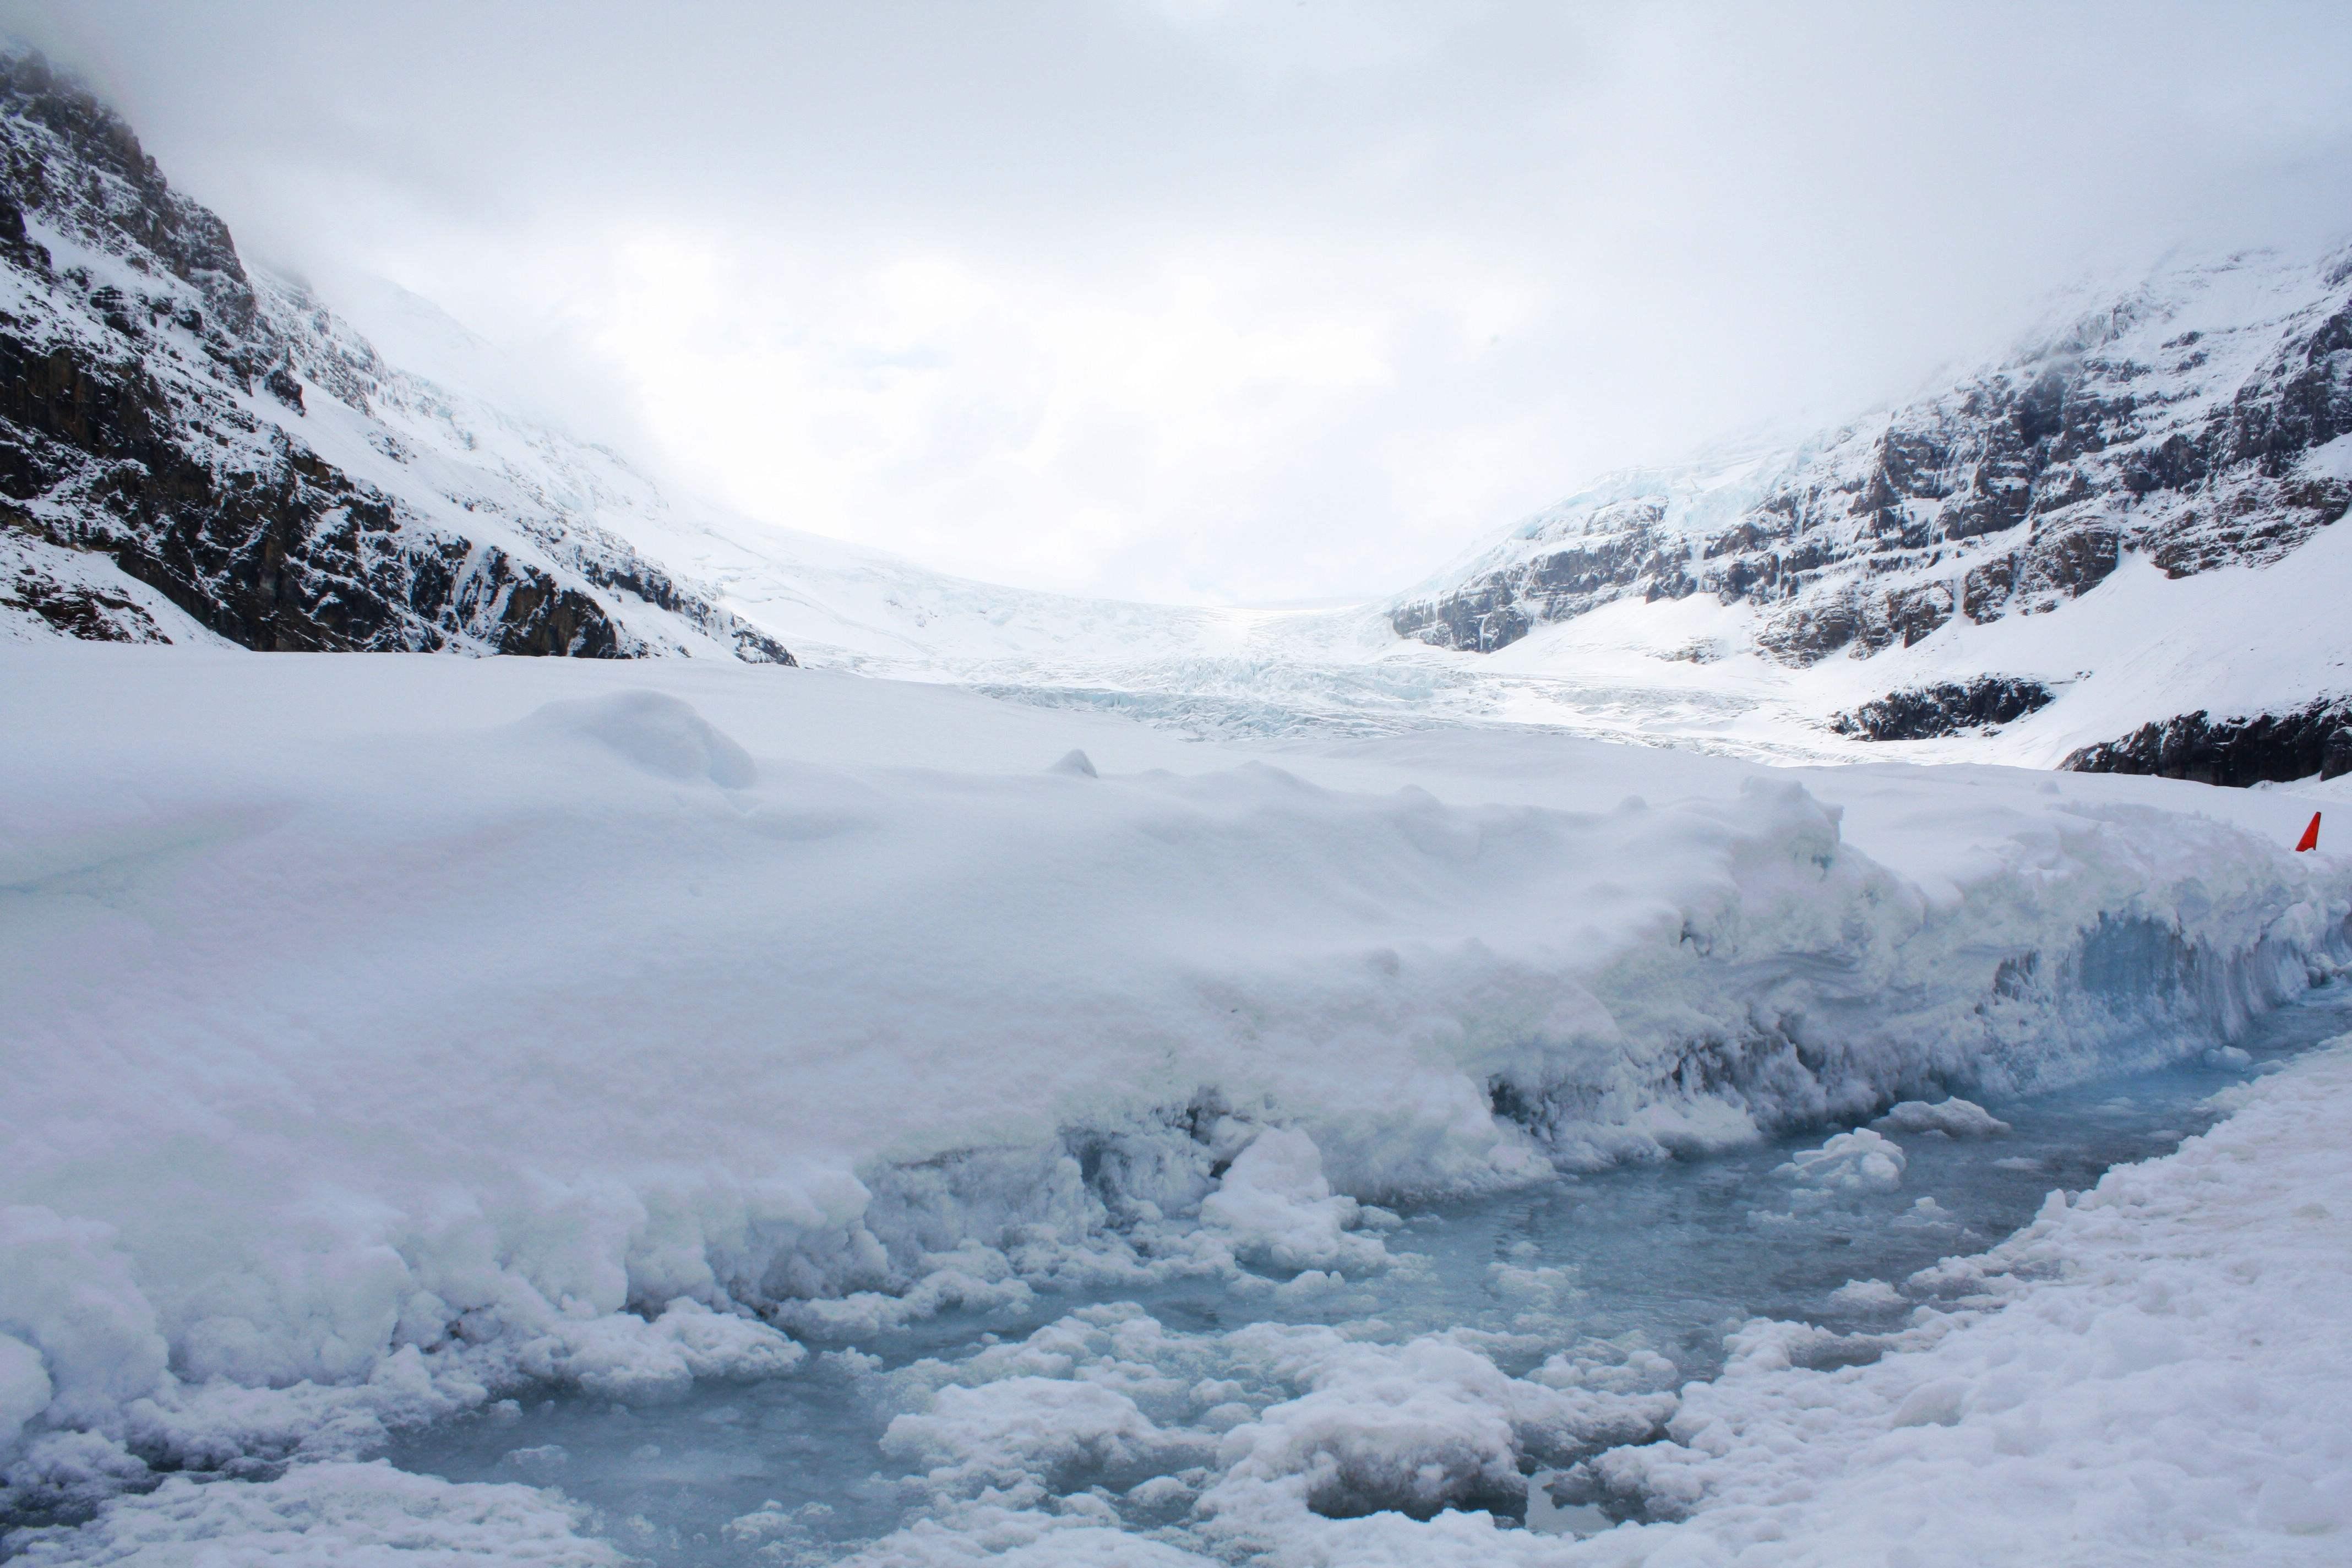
2236 639
383 1029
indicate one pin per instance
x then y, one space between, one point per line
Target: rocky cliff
179 438
2175 422
2263 748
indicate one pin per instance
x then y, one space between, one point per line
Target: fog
1219 302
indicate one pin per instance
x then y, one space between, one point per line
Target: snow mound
1001 1433
622 1357
652 731
1278 1207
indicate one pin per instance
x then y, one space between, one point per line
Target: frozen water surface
1614 1282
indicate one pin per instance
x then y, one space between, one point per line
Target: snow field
387 1032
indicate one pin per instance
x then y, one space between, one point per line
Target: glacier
398 1034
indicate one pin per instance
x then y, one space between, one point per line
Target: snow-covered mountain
2200 423
189 451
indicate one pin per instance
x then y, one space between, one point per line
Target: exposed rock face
1946 707
2265 748
2015 488
158 409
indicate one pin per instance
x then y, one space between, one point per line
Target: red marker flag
2310 839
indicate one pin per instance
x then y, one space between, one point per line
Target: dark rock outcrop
2263 748
286 555
153 411
1948 708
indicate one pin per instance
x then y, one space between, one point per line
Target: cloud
1201 299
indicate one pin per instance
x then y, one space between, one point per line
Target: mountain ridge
157 461
2114 435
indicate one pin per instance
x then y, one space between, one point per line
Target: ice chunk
1866 1295
541 1462
68 1293
332 1513
1953 1118
1077 765
1018 1427
1847 1165
625 1357
1415 1428
1278 1209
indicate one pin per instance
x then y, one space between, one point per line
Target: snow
1280 1209
2141 646
395 1036
2152 1372
410 1028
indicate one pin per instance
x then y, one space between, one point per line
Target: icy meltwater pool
1623 1282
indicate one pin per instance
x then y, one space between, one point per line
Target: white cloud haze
1228 301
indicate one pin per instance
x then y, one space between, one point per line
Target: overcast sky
1201 300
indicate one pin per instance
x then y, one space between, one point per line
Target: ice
2172 1338
622 1357
69 1297
1278 1209
26 1390
1002 1432
364 1515
1846 1165
1866 1295
1173 1412
1958 1118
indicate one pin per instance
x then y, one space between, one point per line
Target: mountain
2189 421
2199 422
190 451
